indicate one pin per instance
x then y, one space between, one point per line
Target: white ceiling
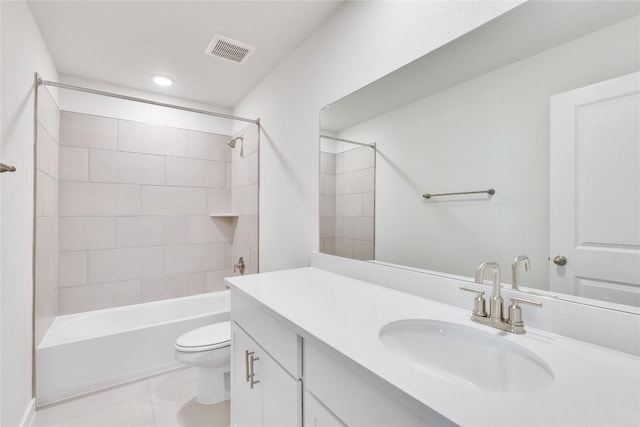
125 42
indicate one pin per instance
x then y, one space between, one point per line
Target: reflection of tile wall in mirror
327 202
355 181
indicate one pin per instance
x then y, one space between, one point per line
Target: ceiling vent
229 49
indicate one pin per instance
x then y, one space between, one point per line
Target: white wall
489 132
23 53
98 105
360 43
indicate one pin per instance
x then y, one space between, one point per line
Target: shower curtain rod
145 101
349 141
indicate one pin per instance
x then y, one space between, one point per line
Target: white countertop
593 385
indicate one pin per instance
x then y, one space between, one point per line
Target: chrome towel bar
6 168
490 192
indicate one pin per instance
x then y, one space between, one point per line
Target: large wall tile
208 146
349 205
85 233
84 130
327 184
72 268
195 173
344 247
250 200
368 204
46 237
74 164
363 249
195 258
93 199
45 297
77 299
254 170
241 172
151 231
328 163
358 158
151 139
246 231
172 286
46 153
327 227
173 201
344 183
124 264
126 168
46 195
215 279
204 229
48 112
218 200
327 205
363 180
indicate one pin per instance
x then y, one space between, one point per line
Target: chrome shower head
232 142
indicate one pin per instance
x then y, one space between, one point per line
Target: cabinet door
317 415
246 403
281 395
274 400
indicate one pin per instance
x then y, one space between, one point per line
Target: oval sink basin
465 355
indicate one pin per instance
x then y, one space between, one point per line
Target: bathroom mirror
539 105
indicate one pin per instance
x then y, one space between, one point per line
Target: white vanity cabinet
266 389
339 393
263 393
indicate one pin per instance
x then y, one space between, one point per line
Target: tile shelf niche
224 215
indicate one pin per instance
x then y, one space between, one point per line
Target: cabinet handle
247 353
253 374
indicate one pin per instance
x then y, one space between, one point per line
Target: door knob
560 260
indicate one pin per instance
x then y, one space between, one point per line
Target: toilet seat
210 337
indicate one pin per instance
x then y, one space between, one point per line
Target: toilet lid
206 338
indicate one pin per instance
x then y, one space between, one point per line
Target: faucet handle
515 312
525 301
479 304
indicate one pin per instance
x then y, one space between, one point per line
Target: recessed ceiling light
161 80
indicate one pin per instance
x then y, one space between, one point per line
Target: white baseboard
29 414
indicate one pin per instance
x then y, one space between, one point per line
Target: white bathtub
90 351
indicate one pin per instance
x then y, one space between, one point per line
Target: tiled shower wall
46 255
244 199
328 203
134 204
355 195
347 195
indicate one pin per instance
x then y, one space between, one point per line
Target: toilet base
213 385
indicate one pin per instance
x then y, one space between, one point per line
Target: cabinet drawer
276 339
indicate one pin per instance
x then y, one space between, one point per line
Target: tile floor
164 400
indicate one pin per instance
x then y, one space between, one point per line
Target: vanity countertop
593 385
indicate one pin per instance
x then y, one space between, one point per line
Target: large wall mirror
540 105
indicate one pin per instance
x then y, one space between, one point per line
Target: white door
595 191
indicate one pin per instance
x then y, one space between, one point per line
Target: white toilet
208 348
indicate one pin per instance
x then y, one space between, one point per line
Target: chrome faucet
495 306
515 267
495 317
